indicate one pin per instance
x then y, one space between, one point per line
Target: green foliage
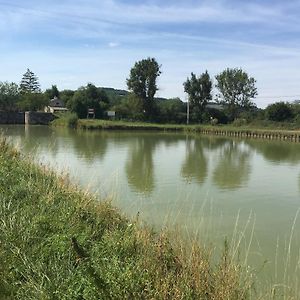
142 82
115 96
32 101
130 108
279 111
29 83
199 91
66 119
297 120
236 90
53 92
217 114
86 98
66 96
238 122
171 111
9 96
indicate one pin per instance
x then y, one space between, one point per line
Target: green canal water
212 188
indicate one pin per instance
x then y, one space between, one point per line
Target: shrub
72 120
297 120
66 119
279 111
239 122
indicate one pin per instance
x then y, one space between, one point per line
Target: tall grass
58 242
66 119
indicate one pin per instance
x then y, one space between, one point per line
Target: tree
30 83
53 92
130 108
171 111
142 82
66 96
32 101
88 97
199 91
279 112
9 96
236 90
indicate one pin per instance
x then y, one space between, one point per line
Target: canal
206 187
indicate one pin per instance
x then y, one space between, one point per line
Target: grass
66 119
265 127
59 242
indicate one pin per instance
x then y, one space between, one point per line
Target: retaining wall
38 118
28 118
12 117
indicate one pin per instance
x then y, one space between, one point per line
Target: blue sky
70 43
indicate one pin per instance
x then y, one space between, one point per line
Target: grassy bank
264 130
58 242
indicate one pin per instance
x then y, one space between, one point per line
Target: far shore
275 131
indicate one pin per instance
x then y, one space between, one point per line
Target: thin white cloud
113 44
116 12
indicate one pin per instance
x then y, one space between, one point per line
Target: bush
218 114
297 120
66 119
72 120
239 122
279 111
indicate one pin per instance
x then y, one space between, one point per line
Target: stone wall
7 117
29 118
38 118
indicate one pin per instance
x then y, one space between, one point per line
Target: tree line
233 101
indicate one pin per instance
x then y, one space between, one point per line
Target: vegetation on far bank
233 102
58 242
72 121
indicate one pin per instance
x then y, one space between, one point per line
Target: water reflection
139 165
89 145
233 169
195 163
276 151
32 139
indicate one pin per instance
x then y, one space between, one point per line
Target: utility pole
188 111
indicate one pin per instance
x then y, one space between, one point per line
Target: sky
71 43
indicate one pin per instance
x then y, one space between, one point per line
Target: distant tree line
233 101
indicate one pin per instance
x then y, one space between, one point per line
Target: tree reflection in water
195 165
89 144
139 166
277 151
233 168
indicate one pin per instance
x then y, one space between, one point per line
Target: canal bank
220 130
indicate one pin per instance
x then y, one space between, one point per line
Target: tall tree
236 90
9 96
142 82
30 83
199 91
